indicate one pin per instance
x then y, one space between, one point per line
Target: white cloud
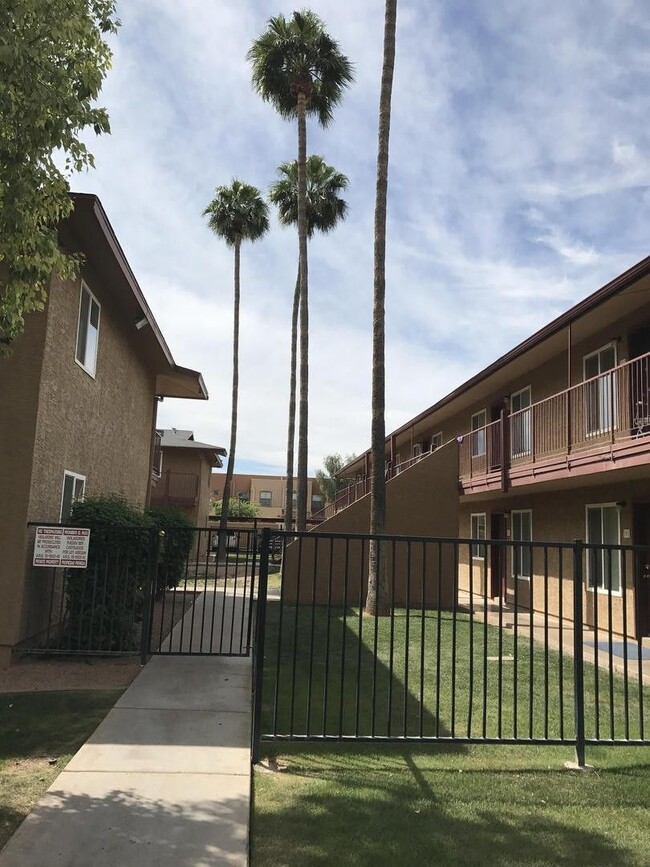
517 183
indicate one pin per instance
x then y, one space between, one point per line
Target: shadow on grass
389 807
336 673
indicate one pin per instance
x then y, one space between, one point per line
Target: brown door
642 566
498 556
494 437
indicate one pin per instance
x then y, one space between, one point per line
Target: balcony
176 489
599 424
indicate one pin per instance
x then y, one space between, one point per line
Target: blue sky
519 183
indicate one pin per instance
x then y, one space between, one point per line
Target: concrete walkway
163 782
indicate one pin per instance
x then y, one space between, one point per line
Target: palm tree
299 69
236 213
377 599
324 209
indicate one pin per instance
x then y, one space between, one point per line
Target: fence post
258 648
578 654
155 536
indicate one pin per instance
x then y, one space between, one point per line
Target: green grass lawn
440 804
432 675
36 727
364 804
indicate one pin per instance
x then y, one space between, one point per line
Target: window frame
479 551
270 502
604 425
478 434
514 574
319 505
91 371
591 585
433 439
76 477
524 415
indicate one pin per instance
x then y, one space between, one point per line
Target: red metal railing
176 489
608 409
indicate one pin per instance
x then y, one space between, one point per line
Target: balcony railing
156 461
176 489
611 410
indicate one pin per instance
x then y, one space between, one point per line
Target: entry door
642 565
498 557
599 391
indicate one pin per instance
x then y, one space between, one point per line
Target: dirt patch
38 673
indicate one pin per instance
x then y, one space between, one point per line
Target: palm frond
236 212
325 207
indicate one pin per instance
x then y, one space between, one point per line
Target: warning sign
61 546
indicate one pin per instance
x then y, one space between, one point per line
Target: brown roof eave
618 284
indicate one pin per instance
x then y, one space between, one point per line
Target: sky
519 183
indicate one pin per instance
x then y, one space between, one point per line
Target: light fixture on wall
141 322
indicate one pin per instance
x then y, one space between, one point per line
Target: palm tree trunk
301 510
291 436
233 419
377 600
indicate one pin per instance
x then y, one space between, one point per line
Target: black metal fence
146 591
483 641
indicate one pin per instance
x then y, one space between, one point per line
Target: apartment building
267 492
78 401
185 472
551 442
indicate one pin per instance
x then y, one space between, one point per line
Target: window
316 502
294 497
436 441
479 420
87 331
522 531
74 487
600 392
266 498
521 423
478 532
398 461
604 566
417 450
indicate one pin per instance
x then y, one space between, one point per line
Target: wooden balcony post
505 448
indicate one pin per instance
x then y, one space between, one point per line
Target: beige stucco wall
97 427
421 501
252 486
19 386
560 516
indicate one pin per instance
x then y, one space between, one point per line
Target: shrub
175 545
104 601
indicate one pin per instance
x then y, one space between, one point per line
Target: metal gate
143 590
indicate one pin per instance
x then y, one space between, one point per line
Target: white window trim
77 477
519 414
99 320
266 505
612 344
512 538
417 450
603 591
475 431
438 434
483 515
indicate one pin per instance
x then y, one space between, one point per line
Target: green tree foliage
104 601
53 60
175 545
236 508
328 480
